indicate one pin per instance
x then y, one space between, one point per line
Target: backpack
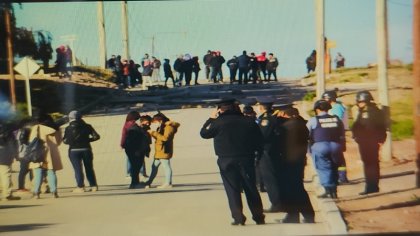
36 149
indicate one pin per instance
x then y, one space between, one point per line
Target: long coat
53 139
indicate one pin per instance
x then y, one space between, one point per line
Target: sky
283 27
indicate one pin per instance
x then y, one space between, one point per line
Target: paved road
197 204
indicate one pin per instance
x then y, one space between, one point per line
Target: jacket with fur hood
164 144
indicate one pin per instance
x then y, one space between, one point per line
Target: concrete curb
328 209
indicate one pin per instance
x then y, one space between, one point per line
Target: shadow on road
22 227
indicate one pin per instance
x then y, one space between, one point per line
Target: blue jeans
78 159
38 176
166 167
324 154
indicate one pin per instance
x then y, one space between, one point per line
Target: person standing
133 141
254 66
270 160
294 140
328 141
369 132
233 68
168 72
311 62
262 66
243 66
187 67
339 61
164 148
196 69
206 61
156 69
179 73
272 65
236 139
8 152
50 134
339 110
78 135
23 140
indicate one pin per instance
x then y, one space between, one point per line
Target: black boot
333 192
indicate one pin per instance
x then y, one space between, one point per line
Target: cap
226 102
265 101
75 115
248 109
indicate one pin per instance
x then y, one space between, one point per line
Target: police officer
270 160
236 139
327 136
369 131
294 139
339 110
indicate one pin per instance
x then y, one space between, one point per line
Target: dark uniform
270 160
369 130
328 139
294 140
236 139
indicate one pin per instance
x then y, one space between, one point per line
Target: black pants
243 75
172 78
233 74
24 169
188 76
79 158
295 199
369 152
269 171
136 160
272 72
237 175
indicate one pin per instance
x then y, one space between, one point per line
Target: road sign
27 67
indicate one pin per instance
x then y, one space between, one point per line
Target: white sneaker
165 186
79 190
94 188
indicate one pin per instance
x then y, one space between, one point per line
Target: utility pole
320 51
124 26
102 39
10 57
382 39
416 84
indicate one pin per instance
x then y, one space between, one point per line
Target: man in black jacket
236 139
243 66
78 136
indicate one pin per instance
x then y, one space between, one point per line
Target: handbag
36 149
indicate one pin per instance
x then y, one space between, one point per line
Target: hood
174 124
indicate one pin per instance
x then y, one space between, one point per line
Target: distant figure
187 67
206 61
243 66
196 69
311 62
254 66
233 68
179 73
339 61
8 152
262 66
272 65
168 72
156 69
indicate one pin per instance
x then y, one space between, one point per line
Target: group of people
247 67
273 148
136 139
64 61
243 69
311 61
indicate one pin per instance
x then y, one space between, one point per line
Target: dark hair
292 112
160 117
132 115
146 118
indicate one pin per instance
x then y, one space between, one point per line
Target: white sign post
27 67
